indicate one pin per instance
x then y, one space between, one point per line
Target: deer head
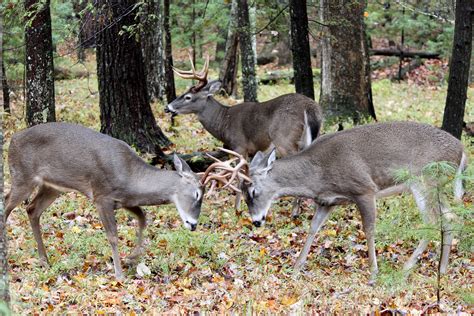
194 100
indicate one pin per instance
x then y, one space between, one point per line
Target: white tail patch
458 188
306 138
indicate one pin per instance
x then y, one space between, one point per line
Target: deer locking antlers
234 169
191 74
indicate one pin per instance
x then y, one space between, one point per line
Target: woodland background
390 61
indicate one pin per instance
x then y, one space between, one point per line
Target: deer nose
257 223
192 225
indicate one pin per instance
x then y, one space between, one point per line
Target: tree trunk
249 78
125 111
228 70
39 64
169 76
345 88
459 68
5 89
303 72
153 52
471 77
4 294
221 44
88 26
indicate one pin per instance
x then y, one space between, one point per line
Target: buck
357 166
250 127
61 157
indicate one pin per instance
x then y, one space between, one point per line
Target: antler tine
192 64
183 73
202 75
225 165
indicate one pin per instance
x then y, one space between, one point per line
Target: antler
227 172
191 74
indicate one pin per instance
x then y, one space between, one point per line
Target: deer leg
421 202
368 211
446 217
17 194
107 216
317 222
45 196
296 208
138 250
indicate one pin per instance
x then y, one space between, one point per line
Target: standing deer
61 157
358 166
250 127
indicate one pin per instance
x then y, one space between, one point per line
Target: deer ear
257 159
180 165
214 87
262 163
270 159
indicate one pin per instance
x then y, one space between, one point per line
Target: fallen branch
198 161
399 53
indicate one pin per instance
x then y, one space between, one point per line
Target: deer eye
251 192
188 97
197 195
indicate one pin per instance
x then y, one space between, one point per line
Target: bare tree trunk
170 87
125 111
459 68
471 77
4 293
40 106
153 50
345 88
5 89
228 70
221 44
300 48
249 78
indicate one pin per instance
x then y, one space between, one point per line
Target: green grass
227 266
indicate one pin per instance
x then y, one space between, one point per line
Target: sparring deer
358 166
61 157
250 127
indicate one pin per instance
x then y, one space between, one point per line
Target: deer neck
295 177
215 119
151 186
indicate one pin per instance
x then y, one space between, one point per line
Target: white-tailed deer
250 127
59 157
358 166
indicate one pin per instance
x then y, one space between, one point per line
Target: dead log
403 53
198 161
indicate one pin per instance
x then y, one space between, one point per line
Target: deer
64 157
249 127
357 165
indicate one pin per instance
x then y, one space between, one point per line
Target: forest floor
226 265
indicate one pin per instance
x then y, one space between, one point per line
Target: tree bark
471 77
459 68
228 70
249 78
169 76
125 111
345 88
4 293
5 89
40 106
303 72
153 50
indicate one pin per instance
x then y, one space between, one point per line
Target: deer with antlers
290 122
357 166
